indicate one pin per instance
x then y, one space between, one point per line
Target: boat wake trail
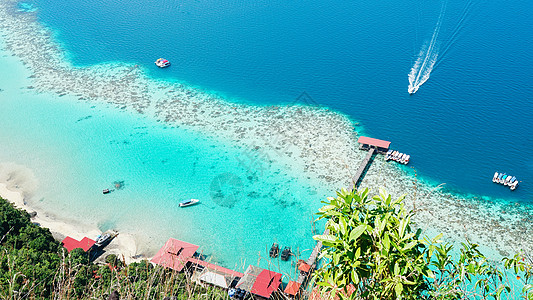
427 58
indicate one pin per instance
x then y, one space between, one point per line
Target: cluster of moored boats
505 179
285 254
397 156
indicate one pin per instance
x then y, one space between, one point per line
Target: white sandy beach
123 245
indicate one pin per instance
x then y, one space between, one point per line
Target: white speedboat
189 202
495 178
514 185
407 159
389 153
101 240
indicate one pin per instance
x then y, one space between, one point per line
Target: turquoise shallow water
351 56
79 148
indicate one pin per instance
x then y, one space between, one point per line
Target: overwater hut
213 274
366 143
71 243
293 289
174 254
260 282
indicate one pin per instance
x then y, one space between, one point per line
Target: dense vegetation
372 251
35 266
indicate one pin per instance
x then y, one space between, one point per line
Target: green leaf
325 238
398 289
357 231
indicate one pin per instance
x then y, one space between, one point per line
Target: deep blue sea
474 115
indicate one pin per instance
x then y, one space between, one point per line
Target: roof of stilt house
260 281
293 288
373 142
174 254
71 243
216 268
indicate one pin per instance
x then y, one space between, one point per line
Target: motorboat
189 202
162 63
103 239
495 178
508 180
106 191
274 250
514 185
387 156
500 177
407 159
286 253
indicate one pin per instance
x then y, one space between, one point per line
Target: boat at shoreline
189 202
103 239
162 63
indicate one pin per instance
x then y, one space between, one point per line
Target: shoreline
330 155
123 245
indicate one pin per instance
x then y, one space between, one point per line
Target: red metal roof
293 288
374 142
303 266
71 243
174 254
215 267
266 283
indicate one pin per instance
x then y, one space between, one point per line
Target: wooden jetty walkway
362 167
373 146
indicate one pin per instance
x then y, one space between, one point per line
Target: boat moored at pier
506 180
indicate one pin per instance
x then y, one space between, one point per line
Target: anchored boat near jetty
505 179
397 156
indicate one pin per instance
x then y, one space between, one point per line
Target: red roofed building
367 143
196 261
71 243
174 254
292 288
259 281
303 266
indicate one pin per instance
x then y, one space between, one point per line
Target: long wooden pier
362 167
311 261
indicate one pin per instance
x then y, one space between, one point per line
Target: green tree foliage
372 252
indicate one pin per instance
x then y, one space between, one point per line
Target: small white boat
407 159
514 185
394 155
495 178
508 180
101 240
402 160
189 202
389 153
